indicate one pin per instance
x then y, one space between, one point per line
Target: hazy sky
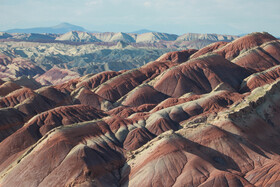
172 16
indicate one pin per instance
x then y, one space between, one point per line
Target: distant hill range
70 33
58 29
73 33
80 51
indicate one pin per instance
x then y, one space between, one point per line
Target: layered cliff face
190 118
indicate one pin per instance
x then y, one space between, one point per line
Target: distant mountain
211 37
34 37
66 32
76 36
244 34
153 37
4 35
142 31
58 29
115 37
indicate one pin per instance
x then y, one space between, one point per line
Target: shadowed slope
120 85
215 152
240 45
177 56
258 59
40 124
208 49
200 75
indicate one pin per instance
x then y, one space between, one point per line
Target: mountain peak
57 29
142 31
65 25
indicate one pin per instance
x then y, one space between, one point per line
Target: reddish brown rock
55 95
234 48
64 115
273 49
167 123
120 85
56 76
98 79
125 111
174 101
28 82
144 94
259 79
170 115
68 86
268 175
12 67
39 125
177 56
226 179
200 75
10 121
8 87
256 60
35 105
216 154
136 138
115 123
208 49
72 148
27 103
1 82
16 97
117 87
87 97
161 125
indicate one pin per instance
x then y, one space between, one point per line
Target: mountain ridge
86 36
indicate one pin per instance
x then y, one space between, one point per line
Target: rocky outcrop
14 67
177 56
212 37
220 151
153 37
8 87
11 120
236 47
209 48
76 36
201 75
261 78
56 76
34 54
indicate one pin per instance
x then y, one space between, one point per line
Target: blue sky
171 16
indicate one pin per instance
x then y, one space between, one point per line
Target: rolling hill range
20 58
81 36
205 117
80 53
73 33
83 53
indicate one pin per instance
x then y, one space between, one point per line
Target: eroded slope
188 119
